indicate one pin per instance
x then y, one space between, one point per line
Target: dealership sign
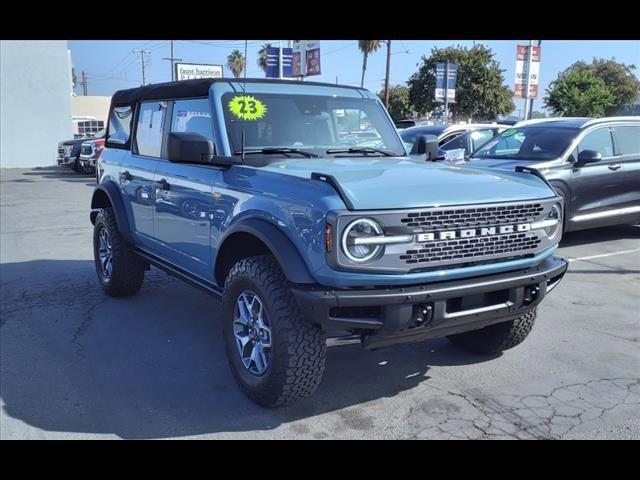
523 71
273 62
451 72
189 71
306 58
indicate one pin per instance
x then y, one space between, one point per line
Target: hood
502 163
394 183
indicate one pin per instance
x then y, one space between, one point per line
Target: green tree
262 56
619 79
399 104
480 89
367 47
236 63
578 92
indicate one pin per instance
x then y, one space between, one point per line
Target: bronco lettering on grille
472 232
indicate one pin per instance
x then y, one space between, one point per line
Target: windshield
309 123
528 143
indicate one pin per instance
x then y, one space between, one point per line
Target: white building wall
35 101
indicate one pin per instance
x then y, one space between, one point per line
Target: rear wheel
275 355
120 271
498 337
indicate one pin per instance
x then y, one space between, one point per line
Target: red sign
519 91
522 53
313 62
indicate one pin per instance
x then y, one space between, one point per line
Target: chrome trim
474 311
606 213
544 224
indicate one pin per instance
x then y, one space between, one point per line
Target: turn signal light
328 237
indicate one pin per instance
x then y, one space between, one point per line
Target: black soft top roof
188 89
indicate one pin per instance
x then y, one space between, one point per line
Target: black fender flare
112 193
280 246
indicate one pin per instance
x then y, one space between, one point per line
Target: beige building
89 114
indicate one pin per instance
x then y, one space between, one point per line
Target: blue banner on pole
273 62
451 81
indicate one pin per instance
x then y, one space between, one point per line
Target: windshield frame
381 121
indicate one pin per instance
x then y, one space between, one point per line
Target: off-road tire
128 268
298 348
498 337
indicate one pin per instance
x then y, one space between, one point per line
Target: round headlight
555 213
354 238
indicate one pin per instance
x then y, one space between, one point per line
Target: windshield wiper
360 150
276 150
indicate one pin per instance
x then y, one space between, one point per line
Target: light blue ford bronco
296 204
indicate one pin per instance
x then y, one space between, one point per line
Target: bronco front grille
472 249
473 217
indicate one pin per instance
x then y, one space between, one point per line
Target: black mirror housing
189 147
426 145
588 156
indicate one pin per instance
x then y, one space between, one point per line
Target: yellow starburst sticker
247 107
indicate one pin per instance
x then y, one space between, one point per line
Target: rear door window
150 128
628 140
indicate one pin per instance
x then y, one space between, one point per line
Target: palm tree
262 56
236 63
367 47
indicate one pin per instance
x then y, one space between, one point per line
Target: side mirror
188 147
588 156
426 145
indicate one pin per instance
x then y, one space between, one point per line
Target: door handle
125 176
615 166
162 185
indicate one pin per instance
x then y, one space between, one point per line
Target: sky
111 65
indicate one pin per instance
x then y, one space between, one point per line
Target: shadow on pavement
153 365
597 235
59 173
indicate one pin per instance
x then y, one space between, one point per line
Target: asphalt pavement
76 364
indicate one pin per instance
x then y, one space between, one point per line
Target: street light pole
386 78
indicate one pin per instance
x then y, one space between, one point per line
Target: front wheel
498 337
275 355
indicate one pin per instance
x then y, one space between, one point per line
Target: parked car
90 152
593 164
452 136
303 238
69 151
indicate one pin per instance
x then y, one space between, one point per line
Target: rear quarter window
120 127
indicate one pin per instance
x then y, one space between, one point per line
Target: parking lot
78 364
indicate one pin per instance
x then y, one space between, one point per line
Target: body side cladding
276 242
108 194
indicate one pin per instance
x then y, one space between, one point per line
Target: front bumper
386 316
65 161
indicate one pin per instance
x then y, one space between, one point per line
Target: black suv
594 164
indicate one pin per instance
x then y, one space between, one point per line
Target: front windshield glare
310 123
528 143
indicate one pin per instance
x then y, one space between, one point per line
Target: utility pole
527 84
172 59
84 83
446 91
142 62
386 78
531 100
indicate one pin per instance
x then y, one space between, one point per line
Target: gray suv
594 164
